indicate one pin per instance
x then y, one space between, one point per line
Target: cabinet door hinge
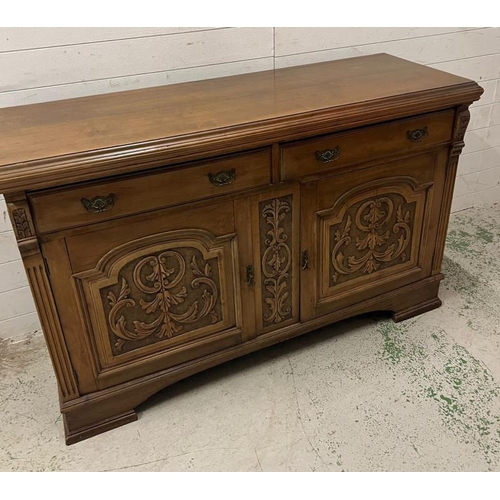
46 265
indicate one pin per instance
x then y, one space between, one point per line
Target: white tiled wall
43 64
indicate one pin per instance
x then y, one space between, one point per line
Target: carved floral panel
374 234
21 224
162 295
276 259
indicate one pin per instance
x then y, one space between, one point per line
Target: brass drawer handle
417 135
223 178
328 155
99 203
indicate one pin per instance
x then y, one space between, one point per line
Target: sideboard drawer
310 156
95 202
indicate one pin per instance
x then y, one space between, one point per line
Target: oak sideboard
169 229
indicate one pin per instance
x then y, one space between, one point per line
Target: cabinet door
154 292
368 231
268 231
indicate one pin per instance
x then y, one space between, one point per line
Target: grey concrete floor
363 395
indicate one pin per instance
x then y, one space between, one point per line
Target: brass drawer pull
328 155
223 178
99 203
250 276
417 135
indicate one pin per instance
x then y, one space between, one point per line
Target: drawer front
399 137
96 202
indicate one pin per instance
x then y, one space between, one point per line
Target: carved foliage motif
374 234
22 225
276 258
461 124
162 295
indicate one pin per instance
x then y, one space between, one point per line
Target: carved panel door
369 231
155 292
268 232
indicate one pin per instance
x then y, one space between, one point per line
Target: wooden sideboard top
73 140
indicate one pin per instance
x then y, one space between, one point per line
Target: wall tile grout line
8 290
9 261
18 316
425 64
395 40
135 75
274 48
113 40
159 35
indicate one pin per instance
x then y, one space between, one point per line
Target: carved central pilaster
276 259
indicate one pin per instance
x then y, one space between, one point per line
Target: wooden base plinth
110 408
421 308
77 435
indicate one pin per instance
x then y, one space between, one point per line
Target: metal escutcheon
417 135
250 276
305 260
328 155
99 203
223 178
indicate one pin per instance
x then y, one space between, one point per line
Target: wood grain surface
147 267
90 137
